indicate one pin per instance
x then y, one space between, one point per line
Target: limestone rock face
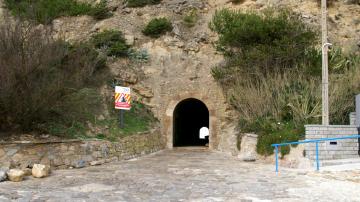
15 175
130 39
248 147
40 170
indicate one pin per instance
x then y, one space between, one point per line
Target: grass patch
137 120
191 18
44 11
157 27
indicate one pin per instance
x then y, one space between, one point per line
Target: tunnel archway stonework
168 121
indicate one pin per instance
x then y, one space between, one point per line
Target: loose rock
3 175
96 163
79 164
40 170
15 175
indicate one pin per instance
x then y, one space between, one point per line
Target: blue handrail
316 141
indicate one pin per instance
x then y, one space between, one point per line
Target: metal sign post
121 118
122 102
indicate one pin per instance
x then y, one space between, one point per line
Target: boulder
15 175
3 175
40 170
248 147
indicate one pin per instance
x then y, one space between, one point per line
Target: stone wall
329 150
77 153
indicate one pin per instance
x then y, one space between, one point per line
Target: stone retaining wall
329 150
77 153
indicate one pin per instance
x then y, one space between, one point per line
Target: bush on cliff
112 41
44 11
272 74
157 27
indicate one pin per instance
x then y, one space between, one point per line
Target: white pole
325 71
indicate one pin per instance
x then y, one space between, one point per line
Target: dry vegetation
272 75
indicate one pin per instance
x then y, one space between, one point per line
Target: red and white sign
122 98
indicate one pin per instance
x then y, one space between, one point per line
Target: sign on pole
122 98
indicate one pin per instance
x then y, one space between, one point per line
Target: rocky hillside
180 61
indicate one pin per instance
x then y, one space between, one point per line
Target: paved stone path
184 175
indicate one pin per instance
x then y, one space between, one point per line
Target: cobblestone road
185 175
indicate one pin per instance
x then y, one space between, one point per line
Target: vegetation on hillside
112 42
50 86
157 27
44 11
40 76
272 74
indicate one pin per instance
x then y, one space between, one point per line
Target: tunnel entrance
190 115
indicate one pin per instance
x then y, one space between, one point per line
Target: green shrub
44 11
157 27
263 42
141 3
112 41
139 56
100 11
45 81
271 132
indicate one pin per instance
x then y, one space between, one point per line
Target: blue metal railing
316 141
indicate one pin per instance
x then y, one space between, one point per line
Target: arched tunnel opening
190 115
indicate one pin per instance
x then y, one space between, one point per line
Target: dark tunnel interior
189 116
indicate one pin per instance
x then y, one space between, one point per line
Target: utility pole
325 71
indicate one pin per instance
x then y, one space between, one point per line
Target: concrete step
340 162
